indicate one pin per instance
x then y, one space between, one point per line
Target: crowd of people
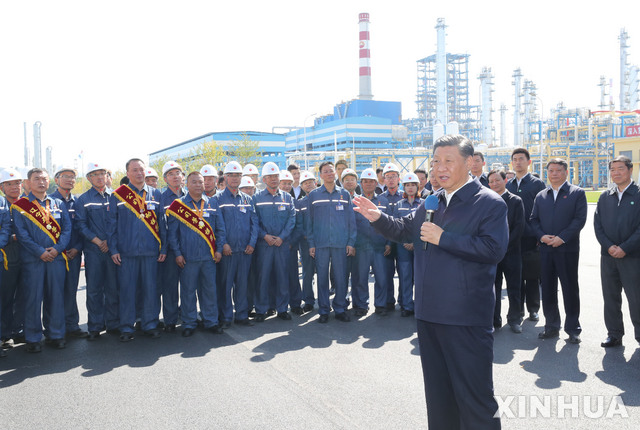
217 248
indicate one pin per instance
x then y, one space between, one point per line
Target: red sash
138 206
195 222
44 221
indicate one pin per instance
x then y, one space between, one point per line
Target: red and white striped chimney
365 58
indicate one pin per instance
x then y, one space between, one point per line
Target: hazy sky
120 79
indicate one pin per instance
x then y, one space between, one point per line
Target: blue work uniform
5 234
277 217
199 272
139 250
241 230
43 282
370 246
12 291
92 219
168 270
308 263
71 315
392 258
331 228
405 257
295 292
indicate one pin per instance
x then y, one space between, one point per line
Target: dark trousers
510 267
618 274
457 366
562 266
102 291
44 299
530 283
168 279
295 291
12 301
71 314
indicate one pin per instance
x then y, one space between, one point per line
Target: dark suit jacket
529 188
515 216
454 280
619 223
563 217
293 194
483 180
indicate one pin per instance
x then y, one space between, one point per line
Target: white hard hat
285 175
346 172
369 174
270 168
247 182
232 167
150 172
92 167
250 169
10 174
390 167
170 165
208 170
410 178
65 169
305 175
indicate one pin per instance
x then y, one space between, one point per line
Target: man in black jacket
511 264
617 226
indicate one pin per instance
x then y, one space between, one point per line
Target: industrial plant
367 132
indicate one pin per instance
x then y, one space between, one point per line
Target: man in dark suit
617 226
454 307
477 168
526 186
296 190
559 213
511 264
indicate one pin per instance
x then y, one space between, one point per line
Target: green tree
245 151
205 153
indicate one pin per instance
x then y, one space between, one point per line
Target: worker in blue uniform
197 254
92 218
331 233
454 307
295 291
12 292
276 216
5 235
44 232
168 270
349 181
308 184
410 202
137 246
65 179
241 231
393 195
370 249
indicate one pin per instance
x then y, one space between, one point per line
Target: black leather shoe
153 333
271 312
93 335
574 338
548 334
19 338
126 337
381 311
259 318
3 352
406 313
57 343
360 312
187 332
516 328
307 308
284 316
216 329
533 316
323 319
170 328
113 331
342 316
297 310
611 342
138 326
246 322
225 324
78 334
34 347
391 306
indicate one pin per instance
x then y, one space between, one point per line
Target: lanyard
200 211
141 204
46 214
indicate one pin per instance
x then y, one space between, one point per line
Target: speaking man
454 307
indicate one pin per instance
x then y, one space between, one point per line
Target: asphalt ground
364 374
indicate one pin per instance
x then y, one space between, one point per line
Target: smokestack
365 58
37 145
27 156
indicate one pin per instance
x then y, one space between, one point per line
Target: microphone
431 206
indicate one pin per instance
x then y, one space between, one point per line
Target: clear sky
120 79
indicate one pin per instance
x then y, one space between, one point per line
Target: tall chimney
365 58
37 144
